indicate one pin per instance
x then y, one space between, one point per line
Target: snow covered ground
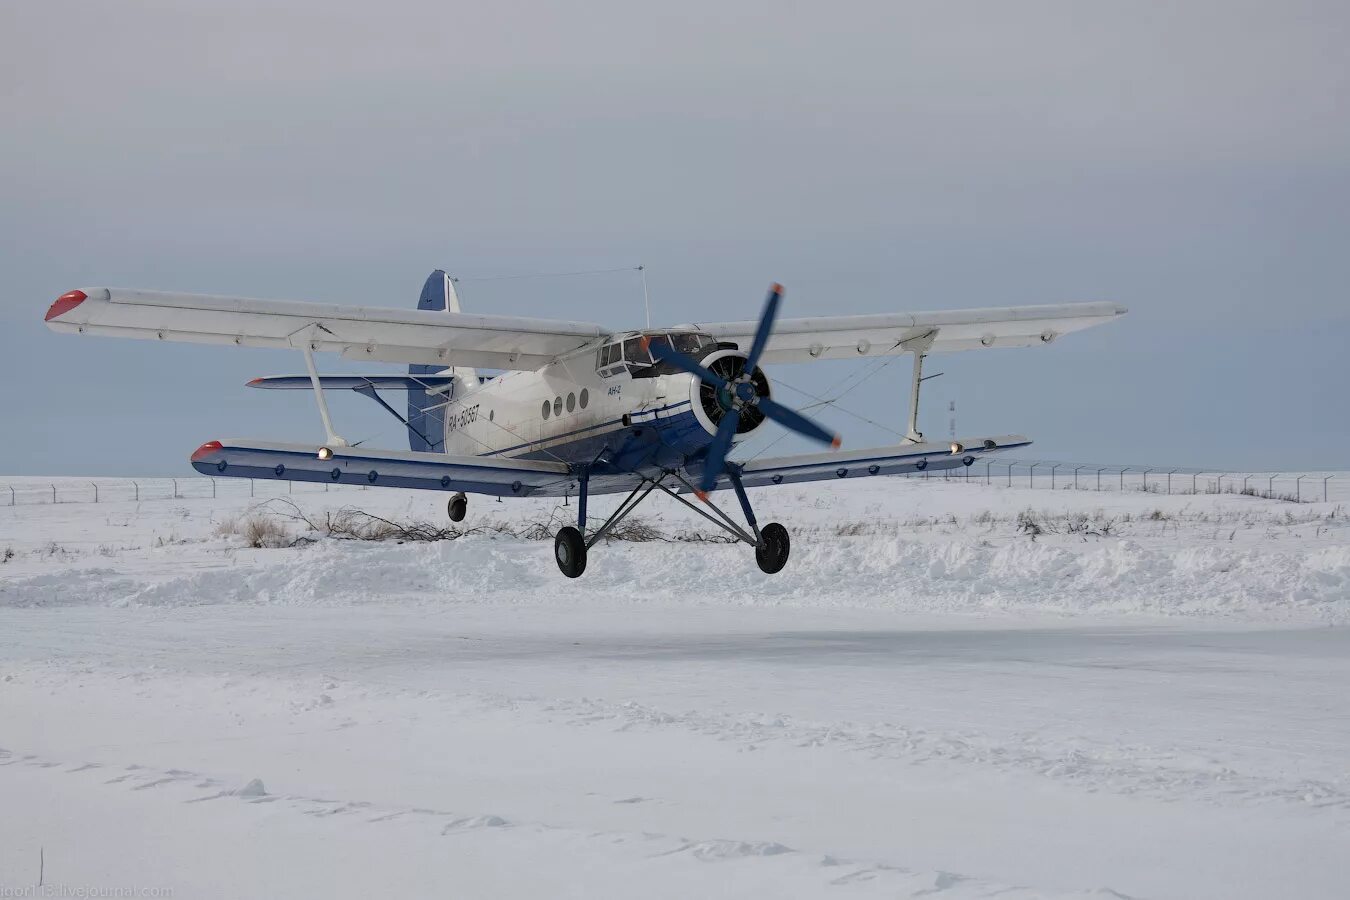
952 690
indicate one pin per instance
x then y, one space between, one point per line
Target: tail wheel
458 508
569 549
773 549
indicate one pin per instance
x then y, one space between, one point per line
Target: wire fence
31 491
1295 487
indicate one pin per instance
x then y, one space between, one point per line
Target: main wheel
772 552
458 507
569 549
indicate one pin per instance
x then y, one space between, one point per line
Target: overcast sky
1188 160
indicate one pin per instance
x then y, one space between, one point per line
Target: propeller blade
666 353
765 328
716 460
795 421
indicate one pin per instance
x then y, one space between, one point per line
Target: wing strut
308 349
919 347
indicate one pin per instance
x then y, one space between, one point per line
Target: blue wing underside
499 477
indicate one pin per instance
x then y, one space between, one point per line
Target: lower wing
897 459
382 468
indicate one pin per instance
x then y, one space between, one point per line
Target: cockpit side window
689 344
633 352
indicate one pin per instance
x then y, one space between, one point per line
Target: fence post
175 487
137 488
1270 486
53 493
1031 474
290 486
1194 476
1298 488
1075 477
1099 477
988 466
1122 478
1052 474
250 488
1324 487
12 500
1146 471
213 488
1244 483
1218 485
1169 481
1010 467
95 484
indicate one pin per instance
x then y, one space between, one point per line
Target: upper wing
891 334
357 332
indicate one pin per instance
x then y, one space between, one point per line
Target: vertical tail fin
437 294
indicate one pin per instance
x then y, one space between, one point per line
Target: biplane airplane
576 409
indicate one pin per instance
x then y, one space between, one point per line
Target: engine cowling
710 405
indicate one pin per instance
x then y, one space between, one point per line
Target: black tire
773 549
569 549
458 508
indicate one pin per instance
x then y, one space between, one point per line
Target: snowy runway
633 735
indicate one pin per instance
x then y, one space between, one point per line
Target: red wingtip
702 495
836 443
206 450
254 382
64 304
776 288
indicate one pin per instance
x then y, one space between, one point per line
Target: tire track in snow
875 878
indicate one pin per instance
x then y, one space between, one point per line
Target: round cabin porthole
547 409
584 398
571 402
557 406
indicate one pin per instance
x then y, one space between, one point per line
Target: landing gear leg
569 545
457 508
771 543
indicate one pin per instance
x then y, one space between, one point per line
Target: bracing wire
547 274
876 368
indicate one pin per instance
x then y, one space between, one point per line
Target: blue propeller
740 393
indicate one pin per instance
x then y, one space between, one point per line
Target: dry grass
269 525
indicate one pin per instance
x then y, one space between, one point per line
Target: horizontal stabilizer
354 382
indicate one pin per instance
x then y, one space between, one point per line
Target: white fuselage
576 409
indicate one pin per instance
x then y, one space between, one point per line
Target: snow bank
1285 581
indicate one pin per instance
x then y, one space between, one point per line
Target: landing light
956 448
326 453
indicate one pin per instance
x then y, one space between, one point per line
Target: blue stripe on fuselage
641 418
666 441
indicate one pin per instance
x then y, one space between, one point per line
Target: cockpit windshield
629 355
